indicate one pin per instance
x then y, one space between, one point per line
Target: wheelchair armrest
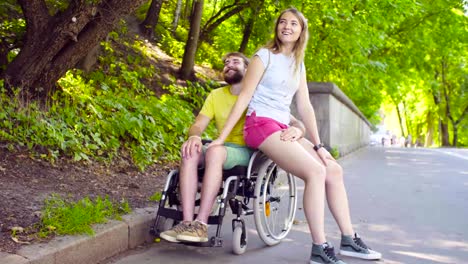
206 141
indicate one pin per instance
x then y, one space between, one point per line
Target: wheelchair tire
239 244
275 200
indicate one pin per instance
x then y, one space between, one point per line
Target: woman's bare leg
294 158
335 191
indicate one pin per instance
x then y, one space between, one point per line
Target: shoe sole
191 239
169 238
370 256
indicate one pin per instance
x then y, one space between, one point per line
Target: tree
55 43
188 61
222 15
175 21
151 20
249 25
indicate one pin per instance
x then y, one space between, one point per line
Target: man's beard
235 78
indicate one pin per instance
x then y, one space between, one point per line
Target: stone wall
341 124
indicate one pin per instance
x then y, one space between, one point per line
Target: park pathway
410 204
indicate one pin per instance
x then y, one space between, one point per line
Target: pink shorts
257 129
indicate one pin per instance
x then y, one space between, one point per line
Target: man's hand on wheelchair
191 146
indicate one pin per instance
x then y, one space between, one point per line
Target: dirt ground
25 182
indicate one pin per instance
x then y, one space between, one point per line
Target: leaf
19 242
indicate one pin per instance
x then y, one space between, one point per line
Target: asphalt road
409 204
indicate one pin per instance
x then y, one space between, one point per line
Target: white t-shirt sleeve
263 55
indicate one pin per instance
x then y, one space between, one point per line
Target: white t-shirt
273 95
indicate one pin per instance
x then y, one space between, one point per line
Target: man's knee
215 154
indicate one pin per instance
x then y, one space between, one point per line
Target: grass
63 217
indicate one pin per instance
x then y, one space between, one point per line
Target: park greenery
404 58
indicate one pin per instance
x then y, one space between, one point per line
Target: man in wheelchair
214 159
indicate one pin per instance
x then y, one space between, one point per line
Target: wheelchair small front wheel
239 240
275 200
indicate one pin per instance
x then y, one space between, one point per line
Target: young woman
275 74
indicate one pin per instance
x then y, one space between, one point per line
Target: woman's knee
316 174
334 173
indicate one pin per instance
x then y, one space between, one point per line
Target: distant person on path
232 153
409 141
275 75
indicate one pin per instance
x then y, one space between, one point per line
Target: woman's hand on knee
324 155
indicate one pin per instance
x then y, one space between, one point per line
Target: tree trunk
247 32
444 124
3 56
249 26
455 135
444 133
152 18
188 61
430 130
55 44
188 10
175 22
400 120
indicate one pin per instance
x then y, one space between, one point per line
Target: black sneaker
353 246
324 254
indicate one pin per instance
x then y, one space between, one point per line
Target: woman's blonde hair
300 46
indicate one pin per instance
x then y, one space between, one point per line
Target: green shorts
237 155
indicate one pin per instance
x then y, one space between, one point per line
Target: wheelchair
261 189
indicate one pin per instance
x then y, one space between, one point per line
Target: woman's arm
249 84
306 111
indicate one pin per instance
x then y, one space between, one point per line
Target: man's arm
194 142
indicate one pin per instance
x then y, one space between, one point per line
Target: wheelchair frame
240 185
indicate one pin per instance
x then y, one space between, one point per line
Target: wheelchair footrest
213 242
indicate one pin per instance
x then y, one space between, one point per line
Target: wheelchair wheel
239 240
275 200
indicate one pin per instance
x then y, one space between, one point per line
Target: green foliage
335 152
63 217
94 117
156 197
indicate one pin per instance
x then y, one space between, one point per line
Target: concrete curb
109 240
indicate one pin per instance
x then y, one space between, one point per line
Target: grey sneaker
196 232
353 246
324 254
171 234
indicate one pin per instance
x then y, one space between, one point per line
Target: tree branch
210 27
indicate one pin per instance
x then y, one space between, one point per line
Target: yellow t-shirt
218 105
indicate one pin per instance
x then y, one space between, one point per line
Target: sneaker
171 234
324 254
353 246
196 232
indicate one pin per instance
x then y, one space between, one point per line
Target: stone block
139 223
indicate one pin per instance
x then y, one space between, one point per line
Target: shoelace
181 227
330 252
195 228
360 243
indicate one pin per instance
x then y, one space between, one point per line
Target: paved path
410 204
